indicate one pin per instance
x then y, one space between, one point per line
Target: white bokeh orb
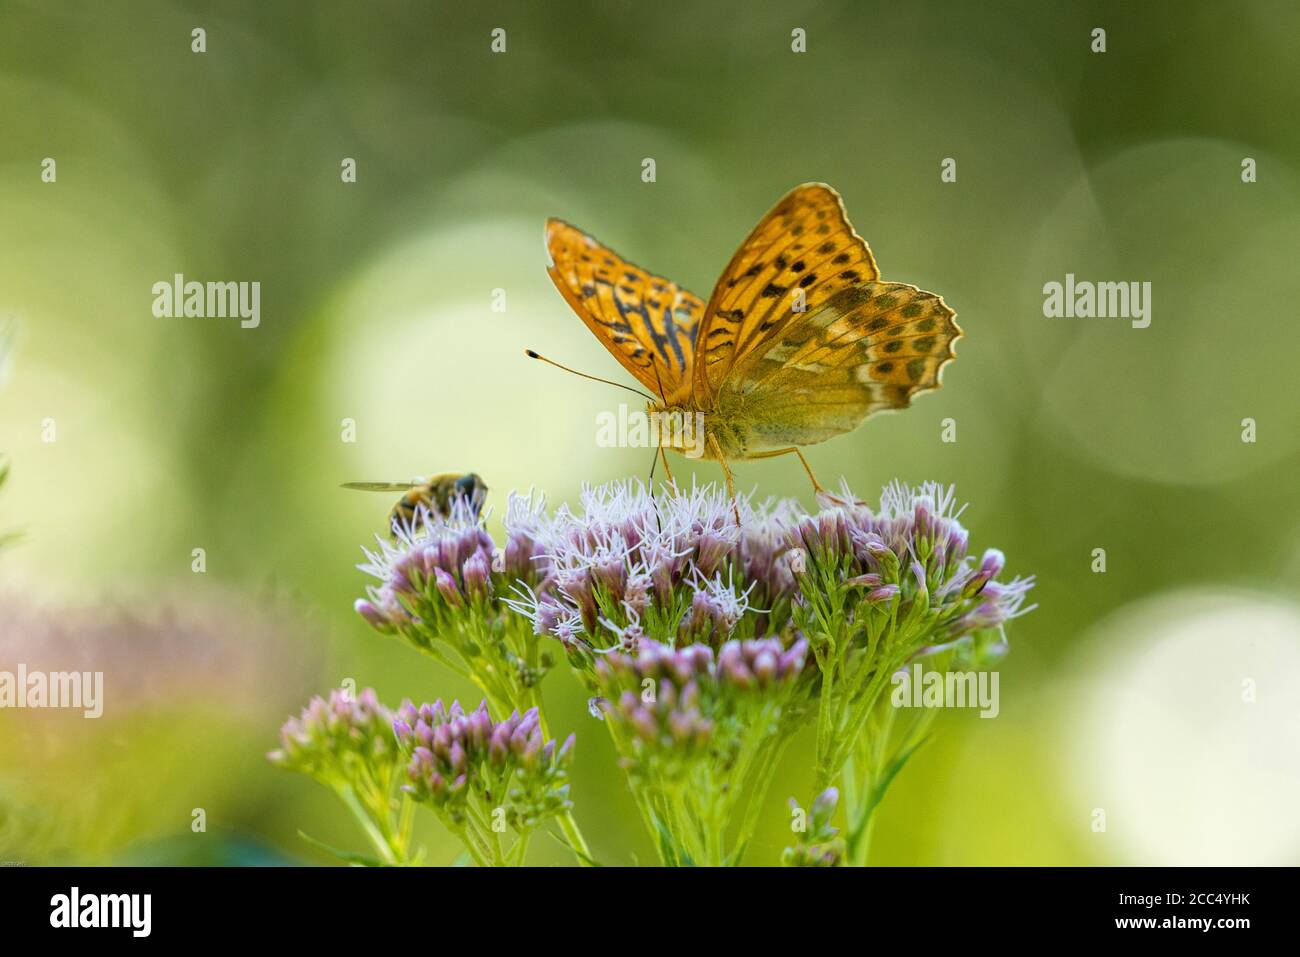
1183 727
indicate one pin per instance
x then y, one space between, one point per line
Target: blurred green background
1164 692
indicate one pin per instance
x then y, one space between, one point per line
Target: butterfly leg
671 481
817 486
726 470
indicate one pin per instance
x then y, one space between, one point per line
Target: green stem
569 827
576 841
376 836
472 844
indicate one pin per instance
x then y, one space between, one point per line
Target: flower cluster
440 579
338 740
347 744
910 558
628 565
699 734
482 776
881 589
433 564
666 704
708 630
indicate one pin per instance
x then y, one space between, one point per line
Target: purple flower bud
636 594
958 542
531 750
402 730
918 572
713 551
731 663
923 516
792 661
663 575
681 726
441 740
991 564
824 804
447 588
884 557
690 697
611 574
407 572
436 784
832 531
370 613
883 594
449 554
499 745
477 575
565 755
457 758
644 724
870 580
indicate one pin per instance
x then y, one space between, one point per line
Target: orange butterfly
800 341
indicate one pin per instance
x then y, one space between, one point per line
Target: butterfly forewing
800 254
871 347
647 322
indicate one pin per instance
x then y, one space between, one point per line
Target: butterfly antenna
533 355
662 394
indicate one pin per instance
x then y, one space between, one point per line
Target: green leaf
589 861
349 857
668 850
878 791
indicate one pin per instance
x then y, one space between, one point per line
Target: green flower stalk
485 780
347 745
879 590
699 738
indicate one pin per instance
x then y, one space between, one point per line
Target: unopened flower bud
477 574
447 588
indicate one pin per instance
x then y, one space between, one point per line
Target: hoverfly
436 494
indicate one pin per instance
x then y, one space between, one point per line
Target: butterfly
800 341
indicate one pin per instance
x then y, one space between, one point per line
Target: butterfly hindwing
647 322
800 254
871 347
